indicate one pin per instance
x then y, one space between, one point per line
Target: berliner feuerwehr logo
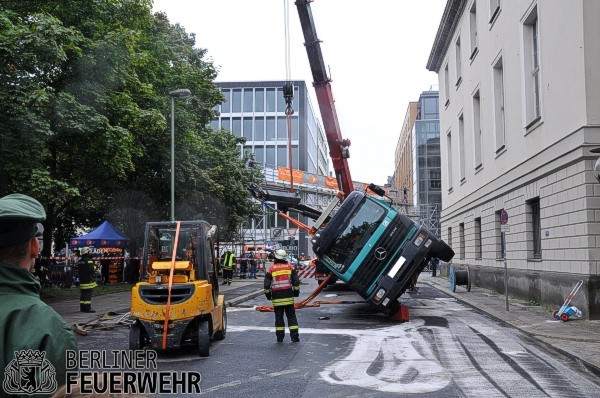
30 373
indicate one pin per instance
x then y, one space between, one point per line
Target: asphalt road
446 350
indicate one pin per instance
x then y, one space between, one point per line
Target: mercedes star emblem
380 253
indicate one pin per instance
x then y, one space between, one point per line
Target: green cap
19 218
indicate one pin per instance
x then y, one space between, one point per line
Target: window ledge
463 180
500 258
534 260
494 16
479 168
474 54
450 190
478 258
458 82
447 103
534 124
500 151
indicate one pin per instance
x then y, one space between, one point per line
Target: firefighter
228 262
87 281
281 286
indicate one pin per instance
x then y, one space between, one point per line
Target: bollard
459 277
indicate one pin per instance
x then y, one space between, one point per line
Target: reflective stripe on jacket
282 282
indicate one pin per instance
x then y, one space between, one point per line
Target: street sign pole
504 227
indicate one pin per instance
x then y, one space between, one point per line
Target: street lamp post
180 93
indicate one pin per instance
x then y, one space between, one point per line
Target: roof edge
445 32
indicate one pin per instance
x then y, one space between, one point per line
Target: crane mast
338 146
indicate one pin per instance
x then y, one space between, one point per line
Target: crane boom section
338 147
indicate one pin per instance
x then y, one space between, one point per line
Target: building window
473 30
248 105
247 125
449 236
461 240
282 134
533 209
477 130
270 129
461 148
282 153
259 129
494 10
236 101
226 104
271 100
478 240
259 100
531 68
498 76
270 159
449 158
236 126
446 85
458 62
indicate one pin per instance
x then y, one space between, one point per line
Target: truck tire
220 334
203 338
135 336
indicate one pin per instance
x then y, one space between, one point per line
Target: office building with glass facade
256 111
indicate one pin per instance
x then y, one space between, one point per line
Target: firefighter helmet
280 254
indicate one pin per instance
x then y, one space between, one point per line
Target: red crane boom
338 146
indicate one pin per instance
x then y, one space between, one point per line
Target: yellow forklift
177 304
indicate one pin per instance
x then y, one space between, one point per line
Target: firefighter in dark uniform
87 280
281 286
228 262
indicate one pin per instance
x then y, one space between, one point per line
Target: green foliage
85 119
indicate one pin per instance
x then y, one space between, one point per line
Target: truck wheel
135 336
220 334
555 315
203 338
564 317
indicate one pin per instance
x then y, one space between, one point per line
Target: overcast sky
376 51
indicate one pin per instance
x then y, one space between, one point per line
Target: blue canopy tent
105 235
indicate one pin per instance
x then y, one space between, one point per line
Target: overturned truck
366 243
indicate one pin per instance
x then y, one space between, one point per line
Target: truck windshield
356 232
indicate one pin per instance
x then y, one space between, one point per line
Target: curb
591 367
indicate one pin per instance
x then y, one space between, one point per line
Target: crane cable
288 89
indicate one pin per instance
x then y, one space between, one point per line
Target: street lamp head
180 93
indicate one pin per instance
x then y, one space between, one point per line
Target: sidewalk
121 301
577 338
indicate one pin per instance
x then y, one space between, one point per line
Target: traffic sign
504 228
504 217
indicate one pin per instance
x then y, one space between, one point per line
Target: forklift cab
194 259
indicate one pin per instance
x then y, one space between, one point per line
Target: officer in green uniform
26 323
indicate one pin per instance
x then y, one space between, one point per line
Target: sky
376 52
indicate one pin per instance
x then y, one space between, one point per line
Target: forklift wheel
203 338
135 336
220 334
564 317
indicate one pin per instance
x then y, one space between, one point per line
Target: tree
84 111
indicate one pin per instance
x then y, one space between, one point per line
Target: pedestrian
434 263
27 325
253 266
105 268
281 286
87 279
244 266
228 262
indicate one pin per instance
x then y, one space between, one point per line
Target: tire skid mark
510 361
482 371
